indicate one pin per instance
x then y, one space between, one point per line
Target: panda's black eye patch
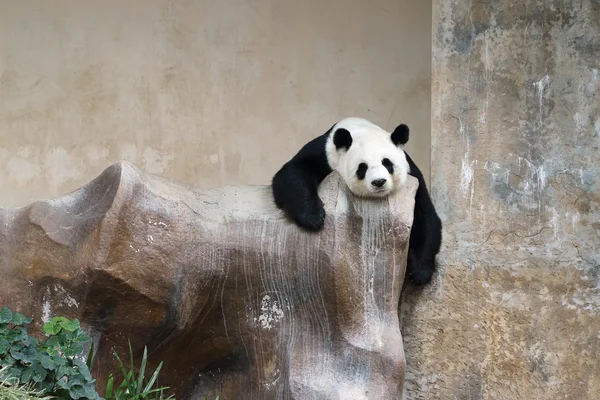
361 171
388 165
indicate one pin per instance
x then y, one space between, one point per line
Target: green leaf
39 373
83 369
4 345
15 335
77 392
157 390
62 383
27 355
59 360
131 365
70 326
64 370
154 377
90 357
29 341
13 373
90 392
8 360
18 319
52 342
50 328
81 337
5 315
26 376
16 353
142 368
46 361
121 365
76 379
57 324
109 387
75 349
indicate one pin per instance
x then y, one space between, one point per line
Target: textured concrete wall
515 312
204 92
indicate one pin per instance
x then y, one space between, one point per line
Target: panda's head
369 159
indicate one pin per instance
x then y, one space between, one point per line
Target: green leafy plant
133 387
51 367
11 391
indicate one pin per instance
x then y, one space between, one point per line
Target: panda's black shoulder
313 155
413 169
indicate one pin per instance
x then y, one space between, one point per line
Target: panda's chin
380 193
371 193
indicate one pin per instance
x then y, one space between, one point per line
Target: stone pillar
515 310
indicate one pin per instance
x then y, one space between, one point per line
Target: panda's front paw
421 276
312 218
419 271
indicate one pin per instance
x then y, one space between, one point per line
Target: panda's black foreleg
426 233
295 186
295 190
425 240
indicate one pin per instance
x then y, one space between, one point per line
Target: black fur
388 165
295 190
361 171
342 139
295 185
400 135
426 232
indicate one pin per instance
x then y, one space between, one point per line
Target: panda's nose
378 182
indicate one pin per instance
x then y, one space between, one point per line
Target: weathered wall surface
204 92
515 312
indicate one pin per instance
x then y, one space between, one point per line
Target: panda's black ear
400 135
342 139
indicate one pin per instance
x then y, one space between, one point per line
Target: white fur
370 145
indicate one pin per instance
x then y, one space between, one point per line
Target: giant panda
372 163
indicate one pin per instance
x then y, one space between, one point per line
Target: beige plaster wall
205 92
